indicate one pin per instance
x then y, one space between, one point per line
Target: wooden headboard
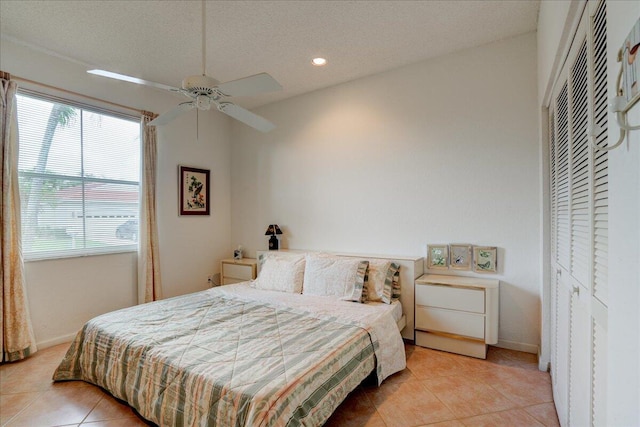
410 269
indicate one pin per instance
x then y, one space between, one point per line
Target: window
79 175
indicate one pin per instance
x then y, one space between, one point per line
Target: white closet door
580 232
560 363
579 200
600 212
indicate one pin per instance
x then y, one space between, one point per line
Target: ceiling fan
205 91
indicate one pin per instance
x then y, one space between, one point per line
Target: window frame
87 251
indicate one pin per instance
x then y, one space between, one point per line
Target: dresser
456 314
237 270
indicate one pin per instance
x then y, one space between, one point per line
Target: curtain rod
22 79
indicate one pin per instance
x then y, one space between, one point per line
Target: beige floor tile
408 404
544 413
12 404
33 373
110 408
466 397
122 422
522 386
510 418
400 377
356 411
50 356
65 403
503 356
24 380
426 363
470 364
438 389
452 423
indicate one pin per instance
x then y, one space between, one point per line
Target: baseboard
55 341
519 346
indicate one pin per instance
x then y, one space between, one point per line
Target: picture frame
194 191
437 256
485 259
460 256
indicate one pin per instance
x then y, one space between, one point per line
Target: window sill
46 256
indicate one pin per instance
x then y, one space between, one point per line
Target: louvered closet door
578 192
559 140
600 212
580 232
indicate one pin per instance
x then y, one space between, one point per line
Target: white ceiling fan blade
252 85
130 79
246 117
172 114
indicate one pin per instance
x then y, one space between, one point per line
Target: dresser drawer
461 299
452 322
237 271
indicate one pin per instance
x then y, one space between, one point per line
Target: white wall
63 294
624 241
444 151
553 35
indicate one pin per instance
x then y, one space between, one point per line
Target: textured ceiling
161 40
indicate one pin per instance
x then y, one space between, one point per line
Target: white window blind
79 175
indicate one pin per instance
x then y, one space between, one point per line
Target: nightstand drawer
231 280
452 322
471 300
237 271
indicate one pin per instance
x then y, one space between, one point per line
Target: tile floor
438 389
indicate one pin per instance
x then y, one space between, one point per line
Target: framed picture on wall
485 259
194 191
460 256
437 256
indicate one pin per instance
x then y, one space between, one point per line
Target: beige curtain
149 282
18 340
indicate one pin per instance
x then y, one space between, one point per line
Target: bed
239 355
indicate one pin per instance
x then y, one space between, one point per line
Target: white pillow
282 274
334 276
378 269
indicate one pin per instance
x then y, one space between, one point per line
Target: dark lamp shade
273 229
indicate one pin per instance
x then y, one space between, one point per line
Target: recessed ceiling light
318 62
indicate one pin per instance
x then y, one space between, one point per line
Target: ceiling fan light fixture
203 102
319 62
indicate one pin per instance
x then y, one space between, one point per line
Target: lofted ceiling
160 40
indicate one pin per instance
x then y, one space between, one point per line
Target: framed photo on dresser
460 256
438 256
485 259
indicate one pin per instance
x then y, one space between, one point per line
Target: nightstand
237 270
456 314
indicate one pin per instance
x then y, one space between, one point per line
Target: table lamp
272 230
